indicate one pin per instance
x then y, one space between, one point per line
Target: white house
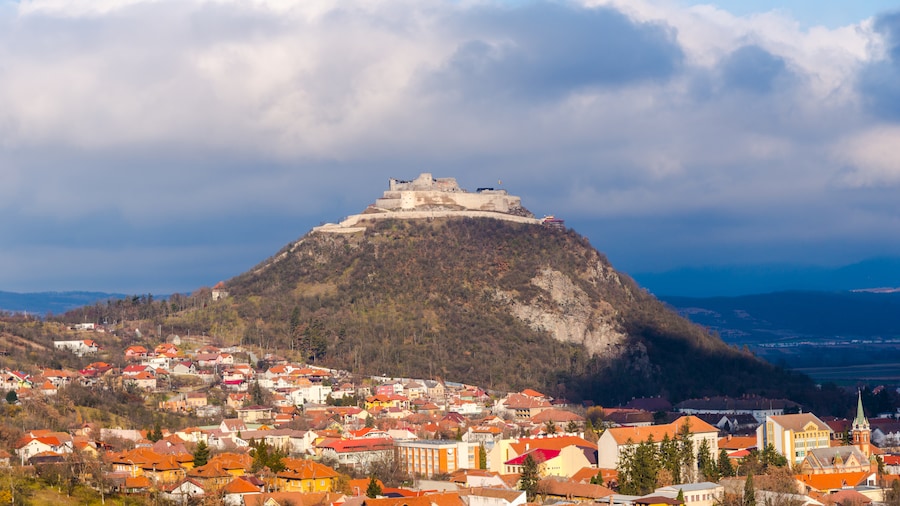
80 347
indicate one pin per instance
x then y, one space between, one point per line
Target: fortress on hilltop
444 193
429 197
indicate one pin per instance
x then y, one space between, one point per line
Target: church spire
860 435
860 422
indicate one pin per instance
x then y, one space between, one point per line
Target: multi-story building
617 440
431 457
793 435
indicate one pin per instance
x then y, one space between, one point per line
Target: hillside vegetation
451 298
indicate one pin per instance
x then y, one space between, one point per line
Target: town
270 431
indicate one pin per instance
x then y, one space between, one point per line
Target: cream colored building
616 440
793 435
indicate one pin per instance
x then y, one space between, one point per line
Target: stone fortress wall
428 193
427 197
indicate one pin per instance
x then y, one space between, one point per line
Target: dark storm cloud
752 68
548 49
879 83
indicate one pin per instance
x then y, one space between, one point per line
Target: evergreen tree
638 468
482 456
572 427
267 456
528 480
201 454
370 422
706 463
550 427
669 457
680 496
156 433
374 489
685 439
749 492
725 468
771 457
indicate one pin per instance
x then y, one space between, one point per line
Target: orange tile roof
574 489
443 499
549 443
240 486
737 442
640 434
836 481
300 469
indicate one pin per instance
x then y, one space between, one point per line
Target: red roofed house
564 462
219 291
523 407
135 352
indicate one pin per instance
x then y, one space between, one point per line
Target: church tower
861 433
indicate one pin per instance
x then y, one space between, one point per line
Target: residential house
521 407
211 475
184 491
695 494
184 402
358 454
254 414
571 491
306 476
144 380
80 347
486 496
135 353
561 462
237 489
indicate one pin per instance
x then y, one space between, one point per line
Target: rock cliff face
569 315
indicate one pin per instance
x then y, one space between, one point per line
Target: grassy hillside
416 298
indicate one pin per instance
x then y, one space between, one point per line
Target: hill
433 281
833 336
485 301
41 303
738 280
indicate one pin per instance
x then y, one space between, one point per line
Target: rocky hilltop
434 281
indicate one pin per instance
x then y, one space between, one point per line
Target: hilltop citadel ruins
429 197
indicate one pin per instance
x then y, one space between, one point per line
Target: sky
161 146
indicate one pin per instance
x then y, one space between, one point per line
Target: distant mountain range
832 336
876 273
41 303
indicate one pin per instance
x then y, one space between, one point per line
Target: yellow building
306 476
793 435
430 457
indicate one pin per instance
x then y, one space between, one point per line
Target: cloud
196 127
551 49
878 81
753 69
870 157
